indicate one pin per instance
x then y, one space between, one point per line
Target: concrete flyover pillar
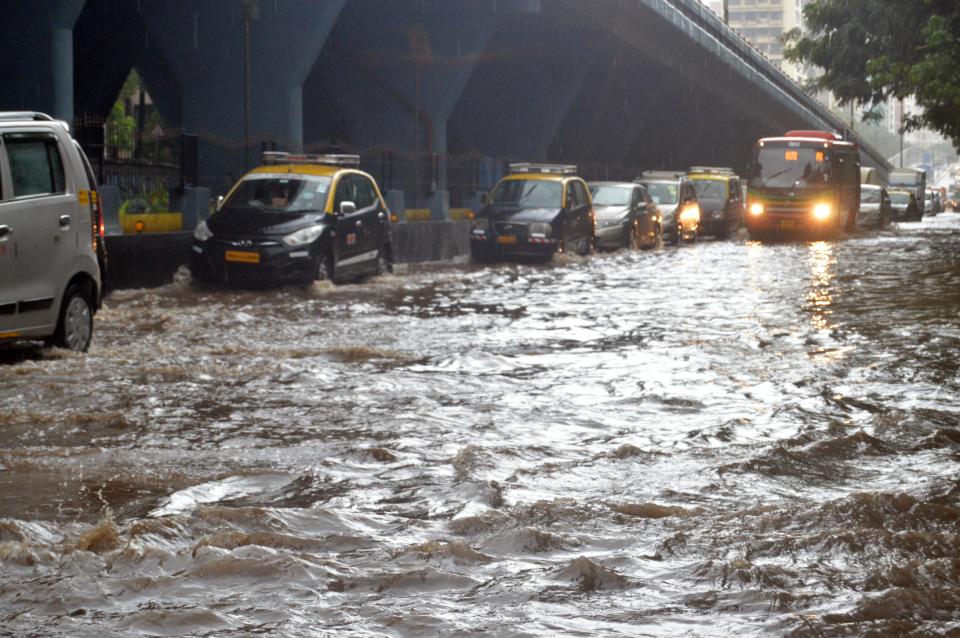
233 89
36 56
399 91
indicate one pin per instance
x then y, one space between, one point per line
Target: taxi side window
571 196
346 192
36 167
581 190
366 196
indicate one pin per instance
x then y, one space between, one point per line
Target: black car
536 211
675 196
296 219
626 217
720 197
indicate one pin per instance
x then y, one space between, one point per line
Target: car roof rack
35 116
550 169
661 175
278 157
711 170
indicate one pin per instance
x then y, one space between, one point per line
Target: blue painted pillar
203 44
36 56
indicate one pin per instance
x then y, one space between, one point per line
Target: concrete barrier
144 261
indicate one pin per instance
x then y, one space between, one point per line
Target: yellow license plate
788 225
507 239
242 257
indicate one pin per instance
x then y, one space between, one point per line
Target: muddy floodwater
726 438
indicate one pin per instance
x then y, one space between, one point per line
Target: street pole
900 130
250 11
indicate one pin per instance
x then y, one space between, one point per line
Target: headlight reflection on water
820 296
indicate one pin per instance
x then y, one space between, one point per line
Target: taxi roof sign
711 170
276 157
550 169
660 175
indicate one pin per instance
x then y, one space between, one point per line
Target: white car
50 234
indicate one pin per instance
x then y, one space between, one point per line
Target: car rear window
36 167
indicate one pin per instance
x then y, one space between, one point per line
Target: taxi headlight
822 211
304 236
690 214
540 229
756 209
202 232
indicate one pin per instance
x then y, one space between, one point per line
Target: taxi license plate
242 257
788 225
507 239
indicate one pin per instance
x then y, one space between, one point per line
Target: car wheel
657 238
384 261
584 246
75 324
324 268
633 237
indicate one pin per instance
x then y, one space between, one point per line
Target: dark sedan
626 216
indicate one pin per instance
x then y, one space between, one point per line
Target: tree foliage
871 50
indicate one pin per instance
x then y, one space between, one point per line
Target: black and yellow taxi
676 197
536 211
297 218
720 197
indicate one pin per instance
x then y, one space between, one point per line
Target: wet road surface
721 438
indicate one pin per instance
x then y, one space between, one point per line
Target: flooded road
721 438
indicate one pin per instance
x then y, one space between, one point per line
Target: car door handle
64 221
5 230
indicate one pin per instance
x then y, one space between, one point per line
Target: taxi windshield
790 167
528 193
663 193
710 188
611 195
869 196
287 194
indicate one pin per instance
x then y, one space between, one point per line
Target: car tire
384 261
585 246
657 238
75 322
324 268
633 237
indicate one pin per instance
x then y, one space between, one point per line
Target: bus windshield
790 167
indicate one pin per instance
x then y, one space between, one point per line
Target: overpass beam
204 46
43 80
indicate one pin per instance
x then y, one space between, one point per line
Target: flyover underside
617 84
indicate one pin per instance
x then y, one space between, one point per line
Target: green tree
871 50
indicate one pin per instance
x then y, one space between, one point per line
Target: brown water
724 438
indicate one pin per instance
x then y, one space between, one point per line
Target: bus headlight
756 209
822 211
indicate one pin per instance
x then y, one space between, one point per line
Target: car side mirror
347 208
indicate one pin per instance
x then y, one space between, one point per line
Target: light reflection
822 275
